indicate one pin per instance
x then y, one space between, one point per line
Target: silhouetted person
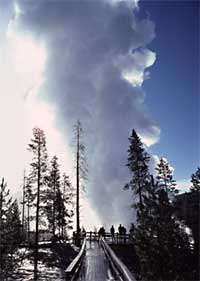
112 231
132 229
124 233
120 229
123 230
101 232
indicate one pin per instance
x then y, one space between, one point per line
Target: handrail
75 264
107 234
121 267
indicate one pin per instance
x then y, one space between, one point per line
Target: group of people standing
121 231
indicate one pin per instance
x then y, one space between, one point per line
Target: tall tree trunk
23 204
77 185
28 221
63 213
37 219
54 207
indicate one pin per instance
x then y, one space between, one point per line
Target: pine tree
14 226
29 200
81 171
5 202
138 161
60 211
14 236
161 242
53 187
68 194
23 201
165 177
10 233
58 200
193 218
196 181
187 210
38 176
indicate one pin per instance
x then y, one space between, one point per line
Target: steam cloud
97 60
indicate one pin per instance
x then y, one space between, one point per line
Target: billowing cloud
21 76
133 66
96 63
183 185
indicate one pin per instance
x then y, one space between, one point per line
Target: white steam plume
97 61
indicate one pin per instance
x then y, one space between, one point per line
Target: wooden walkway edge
95 266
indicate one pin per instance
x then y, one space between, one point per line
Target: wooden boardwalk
95 266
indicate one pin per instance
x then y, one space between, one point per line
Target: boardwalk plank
95 266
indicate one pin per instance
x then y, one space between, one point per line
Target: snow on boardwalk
95 266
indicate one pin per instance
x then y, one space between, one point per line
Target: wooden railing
119 268
116 239
72 270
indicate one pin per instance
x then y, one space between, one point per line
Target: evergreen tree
29 200
23 201
38 177
5 202
192 219
81 171
187 210
165 177
10 233
14 236
13 225
60 211
196 181
53 187
138 161
160 240
68 194
58 200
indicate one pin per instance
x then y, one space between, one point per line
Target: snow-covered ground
25 272
45 272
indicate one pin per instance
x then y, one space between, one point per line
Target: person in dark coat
112 231
132 231
102 232
123 230
120 229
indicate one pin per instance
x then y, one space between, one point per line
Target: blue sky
172 92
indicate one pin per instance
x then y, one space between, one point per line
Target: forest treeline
164 248
48 200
